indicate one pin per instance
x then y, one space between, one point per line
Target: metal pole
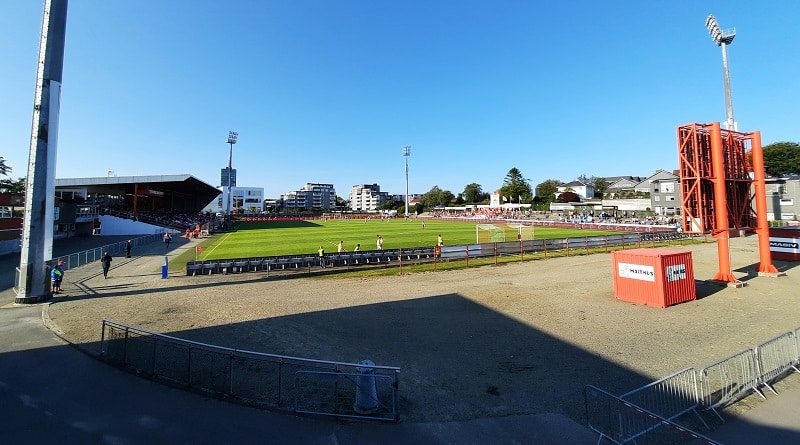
406 154
230 171
730 124
37 230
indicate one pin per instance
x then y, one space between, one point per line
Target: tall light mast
406 154
723 39
232 137
33 284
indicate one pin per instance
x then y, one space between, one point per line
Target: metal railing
669 397
729 380
713 387
775 357
78 259
622 421
268 380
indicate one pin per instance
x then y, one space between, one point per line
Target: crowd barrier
713 387
265 380
728 380
621 421
669 397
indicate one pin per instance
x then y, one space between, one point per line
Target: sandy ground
489 341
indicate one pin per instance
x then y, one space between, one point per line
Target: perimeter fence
346 390
651 413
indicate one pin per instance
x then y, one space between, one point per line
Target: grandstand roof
196 194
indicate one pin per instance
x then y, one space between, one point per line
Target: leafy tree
568 197
436 197
546 191
782 158
473 193
515 185
4 169
388 205
11 186
600 185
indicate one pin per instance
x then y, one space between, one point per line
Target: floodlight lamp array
232 136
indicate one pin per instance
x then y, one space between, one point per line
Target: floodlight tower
232 136
723 39
406 154
33 282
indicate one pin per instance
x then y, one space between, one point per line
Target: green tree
473 193
782 158
546 191
11 186
436 197
4 169
515 186
598 184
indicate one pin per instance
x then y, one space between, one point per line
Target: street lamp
723 39
406 154
232 136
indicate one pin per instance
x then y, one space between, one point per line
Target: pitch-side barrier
266 380
713 387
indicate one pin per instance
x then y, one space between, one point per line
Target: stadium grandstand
131 205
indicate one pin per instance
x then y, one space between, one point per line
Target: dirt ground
482 342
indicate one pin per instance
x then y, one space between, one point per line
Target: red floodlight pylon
721 227
765 265
716 189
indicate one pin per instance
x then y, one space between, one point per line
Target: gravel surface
490 341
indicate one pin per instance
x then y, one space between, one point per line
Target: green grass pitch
259 239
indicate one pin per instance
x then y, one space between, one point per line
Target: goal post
519 232
489 233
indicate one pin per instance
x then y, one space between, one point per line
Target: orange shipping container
655 277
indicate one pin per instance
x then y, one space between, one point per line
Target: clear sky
331 91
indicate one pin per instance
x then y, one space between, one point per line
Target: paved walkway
50 391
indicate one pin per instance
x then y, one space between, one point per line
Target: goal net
519 232
489 233
498 233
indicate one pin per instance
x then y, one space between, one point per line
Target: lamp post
723 39
232 136
406 154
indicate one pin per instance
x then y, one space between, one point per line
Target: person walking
128 249
167 239
56 277
106 262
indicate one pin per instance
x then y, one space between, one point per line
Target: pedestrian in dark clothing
128 249
106 261
167 239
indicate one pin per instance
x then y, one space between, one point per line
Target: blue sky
331 91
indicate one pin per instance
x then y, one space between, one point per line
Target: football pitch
273 238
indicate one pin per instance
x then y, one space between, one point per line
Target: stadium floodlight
406 154
232 137
723 39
